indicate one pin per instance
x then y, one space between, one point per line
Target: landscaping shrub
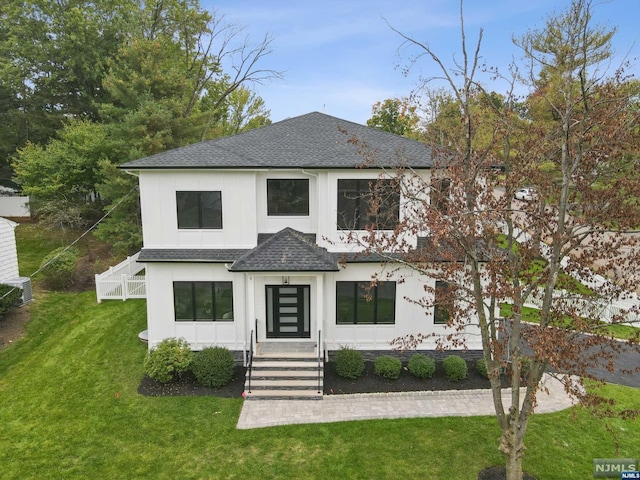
525 366
9 296
481 366
455 368
213 366
422 366
59 267
171 357
387 367
349 363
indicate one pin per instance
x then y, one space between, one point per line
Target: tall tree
395 115
52 62
62 177
485 244
167 88
151 76
243 110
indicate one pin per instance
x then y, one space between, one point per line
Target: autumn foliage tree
147 77
488 248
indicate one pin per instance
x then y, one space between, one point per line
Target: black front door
288 311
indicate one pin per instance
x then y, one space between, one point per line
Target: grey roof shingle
286 251
312 141
196 255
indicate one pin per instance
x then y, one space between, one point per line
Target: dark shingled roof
150 255
311 141
288 250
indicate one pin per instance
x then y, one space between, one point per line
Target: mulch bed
334 384
187 386
499 473
369 382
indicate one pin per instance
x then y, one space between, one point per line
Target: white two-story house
246 234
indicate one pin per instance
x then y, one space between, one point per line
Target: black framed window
355 204
360 303
199 210
203 301
440 194
441 314
287 196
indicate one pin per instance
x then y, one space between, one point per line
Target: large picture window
199 210
288 196
203 301
360 303
355 204
441 313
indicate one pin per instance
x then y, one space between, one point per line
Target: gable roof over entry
312 141
286 251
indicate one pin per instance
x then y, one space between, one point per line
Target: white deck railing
605 311
122 281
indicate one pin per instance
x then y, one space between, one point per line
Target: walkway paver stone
367 406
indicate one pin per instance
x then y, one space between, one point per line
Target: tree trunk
512 447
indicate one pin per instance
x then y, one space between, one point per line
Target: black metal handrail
250 360
320 349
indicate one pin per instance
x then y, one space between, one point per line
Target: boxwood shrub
170 358
481 367
455 368
349 363
422 366
525 366
387 367
213 366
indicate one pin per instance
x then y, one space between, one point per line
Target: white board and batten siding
161 322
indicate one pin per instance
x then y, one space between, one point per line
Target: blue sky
340 56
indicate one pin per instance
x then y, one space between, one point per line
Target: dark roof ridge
313 140
286 250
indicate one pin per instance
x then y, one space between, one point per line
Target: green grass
622 332
70 409
35 242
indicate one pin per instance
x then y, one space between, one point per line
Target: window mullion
355 302
375 305
193 301
214 307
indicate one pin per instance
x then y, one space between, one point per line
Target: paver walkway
366 406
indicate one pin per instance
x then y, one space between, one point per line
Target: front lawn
70 409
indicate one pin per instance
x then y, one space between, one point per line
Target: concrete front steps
285 376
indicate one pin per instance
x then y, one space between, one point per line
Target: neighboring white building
8 250
246 233
9 260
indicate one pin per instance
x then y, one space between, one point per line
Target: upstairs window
199 210
287 197
203 301
356 204
360 303
440 194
